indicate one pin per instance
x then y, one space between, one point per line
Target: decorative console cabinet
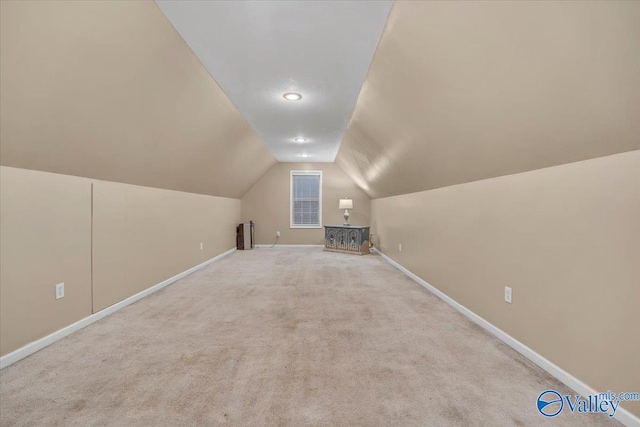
350 239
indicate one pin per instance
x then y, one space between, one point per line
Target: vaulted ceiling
462 91
109 90
455 92
259 50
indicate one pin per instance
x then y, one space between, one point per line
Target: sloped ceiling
259 50
463 91
109 90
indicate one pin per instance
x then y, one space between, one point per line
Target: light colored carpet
282 336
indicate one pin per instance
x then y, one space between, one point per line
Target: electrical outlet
399 247
507 294
60 290
201 246
277 234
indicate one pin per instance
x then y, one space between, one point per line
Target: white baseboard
289 246
622 415
38 345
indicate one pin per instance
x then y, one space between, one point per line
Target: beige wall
45 229
267 204
566 239
141 236
109 90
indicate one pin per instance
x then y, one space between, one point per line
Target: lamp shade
345 204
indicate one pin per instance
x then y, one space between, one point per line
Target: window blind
305 199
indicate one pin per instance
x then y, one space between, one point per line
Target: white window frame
304 172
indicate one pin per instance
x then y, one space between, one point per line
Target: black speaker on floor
245 236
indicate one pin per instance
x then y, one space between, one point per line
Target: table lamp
346 204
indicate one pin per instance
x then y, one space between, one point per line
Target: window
306 199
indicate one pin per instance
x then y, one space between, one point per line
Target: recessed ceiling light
303 155
300 140
292 96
